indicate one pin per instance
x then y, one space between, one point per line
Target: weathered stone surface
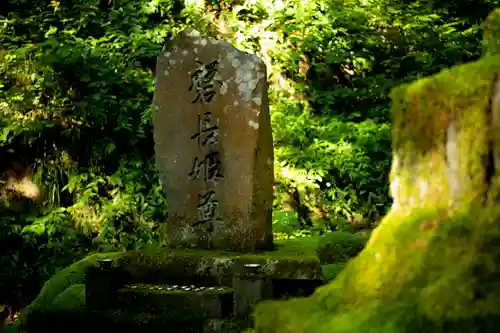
250 287
213 144
204 268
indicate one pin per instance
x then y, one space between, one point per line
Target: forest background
77 171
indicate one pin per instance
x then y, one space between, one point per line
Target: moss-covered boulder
340 246
433 263
71 299
63 294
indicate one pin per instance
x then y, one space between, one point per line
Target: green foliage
333 156
76 83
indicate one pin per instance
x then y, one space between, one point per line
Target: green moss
61 285
491 40
412 280
70 300
292 256
330 271
425 115
297 248
340 246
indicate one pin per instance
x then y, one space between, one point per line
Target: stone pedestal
250 287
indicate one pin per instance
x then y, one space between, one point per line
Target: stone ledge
292 259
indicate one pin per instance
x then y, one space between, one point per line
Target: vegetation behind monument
76 137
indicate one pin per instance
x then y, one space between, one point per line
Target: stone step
178 302
134 322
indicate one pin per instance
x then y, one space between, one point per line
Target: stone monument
213 144
214 152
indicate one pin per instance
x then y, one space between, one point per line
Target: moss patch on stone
72 300
491 39
292 259
441 136
412 280
58 292
297 248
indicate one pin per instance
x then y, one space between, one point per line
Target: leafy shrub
76 81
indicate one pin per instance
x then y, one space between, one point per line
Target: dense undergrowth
76 82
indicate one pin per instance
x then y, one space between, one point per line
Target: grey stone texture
213 144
